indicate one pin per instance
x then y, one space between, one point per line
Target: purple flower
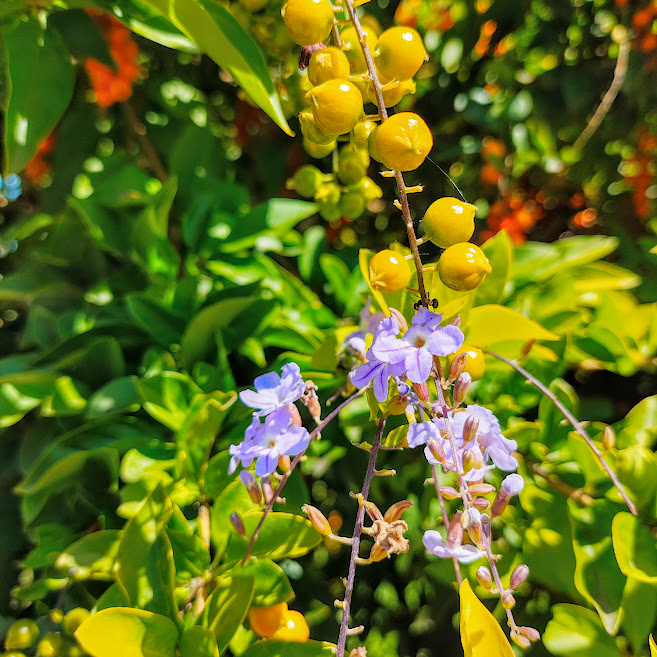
274 391
416 349
268 441
376 371
435 545
490 438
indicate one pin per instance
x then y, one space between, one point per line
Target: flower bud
508 601
472 459
608 438
358 652
236 521
395 511
400 319
481 489
294 414
284 462
530 633
455 531
318 519
422 391
480 503
471 521
519 639
378 552
518 576
372 510
470 428
250 482
267 490
437 450
456 321
461 388
484 577
315 408
449 492
457 366
512 485
485 527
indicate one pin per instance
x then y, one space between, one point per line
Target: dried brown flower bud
294 414
395 511
378 552
481 503
461 388
481 489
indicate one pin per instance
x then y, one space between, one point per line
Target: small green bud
306 181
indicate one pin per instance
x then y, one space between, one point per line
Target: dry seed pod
395 511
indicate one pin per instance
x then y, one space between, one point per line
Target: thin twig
443 509
608 99
355 545
573 421
498 581
576 494
401 185
148 150
293 465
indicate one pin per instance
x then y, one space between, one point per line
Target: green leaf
144 564
233 499
199 335
640 610
636 468
635 548
639 426
283 535
117 396
499 251
198 641
225 41
128 632
492 324
272 585
289 649
39 68
226 608
597 575
167 396
92 556
162 325
577 632
82 36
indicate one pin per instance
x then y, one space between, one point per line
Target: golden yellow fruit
449 221
308 21
352 48
393 95
402 142
318 151
389 271
294 628
463 267
328 64
399 53
311 131
336 106
475 366
265 621
361 131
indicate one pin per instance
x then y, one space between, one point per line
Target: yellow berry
294 628
352 48
21 634
393 95
362 130
389 271
352 164
266 620
336 106
51 645
328 64
368 189
352 204
475 366
373 26
312 131
449 221
318 151
399 53
402 142
308 21
74 619
463 267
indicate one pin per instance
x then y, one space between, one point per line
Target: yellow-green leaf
129 633
653 647
491 324
481 634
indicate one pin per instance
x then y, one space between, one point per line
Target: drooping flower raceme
267 441
273 391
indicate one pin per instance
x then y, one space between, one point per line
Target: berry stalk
401 185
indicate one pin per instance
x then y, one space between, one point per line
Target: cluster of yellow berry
280 623
339 85
25 634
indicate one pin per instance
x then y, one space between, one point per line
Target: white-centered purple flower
273 391
267 441
416 349
489 436
435 545
376 371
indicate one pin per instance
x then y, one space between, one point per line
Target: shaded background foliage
143 276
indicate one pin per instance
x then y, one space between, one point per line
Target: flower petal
445 340
418 365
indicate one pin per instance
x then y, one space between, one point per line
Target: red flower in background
38 166
638 172
114 86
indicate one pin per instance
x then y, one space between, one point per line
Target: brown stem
608 99
355 545
148 150
401 186
443 509
286 475
573 421
498 581
568 491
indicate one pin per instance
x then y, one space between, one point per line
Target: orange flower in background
432 15
492 152
38 166
114 86
516 213
638 172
